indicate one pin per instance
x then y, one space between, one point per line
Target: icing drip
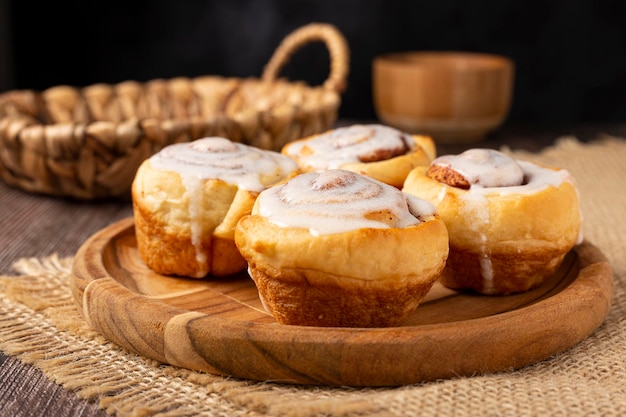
193 185
336 201
247 167
419 208
492 173
486 271
352 144
536 178
484 167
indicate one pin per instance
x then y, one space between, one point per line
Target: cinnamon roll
336 248
381 152
188 197
510 222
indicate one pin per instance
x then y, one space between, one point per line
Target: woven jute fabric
40 324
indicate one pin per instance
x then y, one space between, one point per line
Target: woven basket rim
51 147
330 98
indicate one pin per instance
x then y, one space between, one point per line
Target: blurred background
570 55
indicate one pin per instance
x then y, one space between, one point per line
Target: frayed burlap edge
40 325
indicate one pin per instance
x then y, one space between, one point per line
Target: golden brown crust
502 244
523 271
390 167
175 254
164 253
361 278
393 171
225 258
294 300
164 226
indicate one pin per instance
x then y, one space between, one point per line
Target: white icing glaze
486 271
220 158
336 201
351 144
484 167
418 207
492 173
536 178
193 186
581 236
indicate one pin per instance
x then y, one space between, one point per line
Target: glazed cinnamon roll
510 222
188 197
381 152
337 248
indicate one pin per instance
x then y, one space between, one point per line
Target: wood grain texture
220 326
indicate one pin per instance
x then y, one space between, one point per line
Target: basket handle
322 32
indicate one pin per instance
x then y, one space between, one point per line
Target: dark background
570 55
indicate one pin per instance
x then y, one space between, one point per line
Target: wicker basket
87 143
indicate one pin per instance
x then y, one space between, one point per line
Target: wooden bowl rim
450 60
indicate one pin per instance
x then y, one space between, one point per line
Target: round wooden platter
218 325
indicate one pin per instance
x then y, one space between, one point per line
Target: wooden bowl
455 97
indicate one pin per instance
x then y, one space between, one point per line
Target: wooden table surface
38 226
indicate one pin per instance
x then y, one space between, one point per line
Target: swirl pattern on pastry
490 172
378 151
477 167
337 248
356 143
247 167
510 222
335 201
188 197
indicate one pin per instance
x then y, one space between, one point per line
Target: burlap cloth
40 325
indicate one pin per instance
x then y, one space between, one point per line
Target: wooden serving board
219 325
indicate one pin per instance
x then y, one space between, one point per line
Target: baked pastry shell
361 278
392 171
502 243
164 223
